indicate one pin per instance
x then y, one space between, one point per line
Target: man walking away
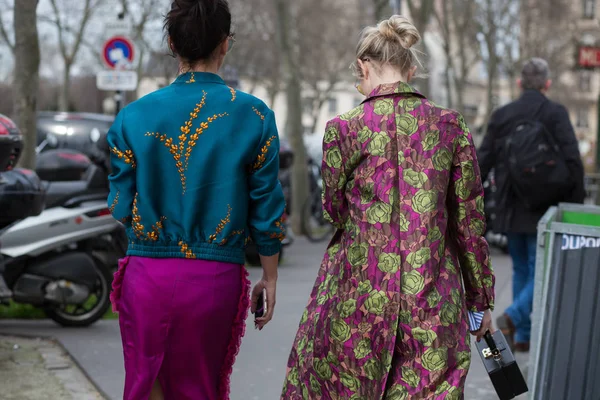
531 145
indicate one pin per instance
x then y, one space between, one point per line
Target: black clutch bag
501 366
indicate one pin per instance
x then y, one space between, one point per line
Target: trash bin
565 344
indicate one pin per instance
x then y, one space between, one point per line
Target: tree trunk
294 106
64 97
27 64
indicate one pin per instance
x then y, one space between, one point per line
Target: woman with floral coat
387 318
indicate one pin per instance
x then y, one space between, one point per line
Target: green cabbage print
352 113
304 317
357 397
404 223
449 264
352 162
424 201
412 282
461 212
378 142
367 193
376 302
456 298
479 204
442 247
463 360
379 213
424 336
340 331
358 254
463 141
442 388
333 250
411 377
414 178
454 393
386 358
433 298
477 227
384 107
419 257
442 160
347 308
293 377
364 134
409 105
406 124
397 392
350 381
331 134
389 263
323 368
431 140
462 190
332 359
401 157
405 317
373 369
364 287
434 234
315 386
333 157
449 314
435 359
468 172
488 281
362 349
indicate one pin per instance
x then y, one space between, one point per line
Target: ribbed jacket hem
202 251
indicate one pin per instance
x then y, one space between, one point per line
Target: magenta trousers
181 323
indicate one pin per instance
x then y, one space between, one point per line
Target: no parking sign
118 53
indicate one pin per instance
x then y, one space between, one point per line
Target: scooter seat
58 192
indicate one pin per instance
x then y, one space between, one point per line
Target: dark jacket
512 216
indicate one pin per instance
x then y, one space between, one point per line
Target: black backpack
537 170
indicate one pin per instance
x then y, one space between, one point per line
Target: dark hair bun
197 27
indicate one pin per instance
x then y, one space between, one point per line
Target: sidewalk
35 369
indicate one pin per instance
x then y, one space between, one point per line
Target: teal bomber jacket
195 172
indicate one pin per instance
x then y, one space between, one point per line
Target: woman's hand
486 325
270 287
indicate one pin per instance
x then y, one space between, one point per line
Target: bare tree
4 34
291 68
70 32
455 19
327 50
27 63
421 12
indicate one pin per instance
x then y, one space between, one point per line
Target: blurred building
585 84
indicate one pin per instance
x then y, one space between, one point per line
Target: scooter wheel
67 317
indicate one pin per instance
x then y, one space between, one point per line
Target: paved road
260 367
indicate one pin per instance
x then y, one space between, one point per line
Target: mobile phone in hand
261 305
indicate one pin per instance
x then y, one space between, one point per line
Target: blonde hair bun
399 28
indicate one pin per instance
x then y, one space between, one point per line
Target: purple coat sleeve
467 220
335 205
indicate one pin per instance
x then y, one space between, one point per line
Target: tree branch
4 35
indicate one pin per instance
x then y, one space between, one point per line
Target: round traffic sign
118 52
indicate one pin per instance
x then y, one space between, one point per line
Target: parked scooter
59 257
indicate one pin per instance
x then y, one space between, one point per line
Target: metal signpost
118 53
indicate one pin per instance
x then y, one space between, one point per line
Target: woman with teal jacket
194 178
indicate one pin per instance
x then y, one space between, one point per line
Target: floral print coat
387 318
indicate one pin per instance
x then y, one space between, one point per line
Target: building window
333 105
583 118
585 81
589 9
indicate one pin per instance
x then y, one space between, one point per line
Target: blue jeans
522 247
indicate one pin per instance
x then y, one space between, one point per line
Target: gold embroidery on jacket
262 117
192 78
233 94
186 250
114 204
126 156
138 227
221 225
281 234
234 233
182 151
262 157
